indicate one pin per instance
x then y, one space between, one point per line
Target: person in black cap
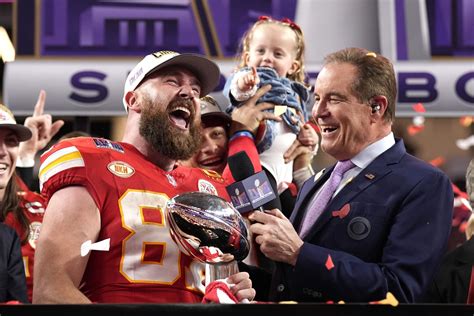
105 238
212 154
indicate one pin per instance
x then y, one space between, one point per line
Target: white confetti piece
103 245
465 143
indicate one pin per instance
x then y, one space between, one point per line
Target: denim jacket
284 92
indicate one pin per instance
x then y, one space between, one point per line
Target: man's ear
378 104
132 102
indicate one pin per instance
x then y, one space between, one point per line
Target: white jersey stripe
59 161
56 156
60 167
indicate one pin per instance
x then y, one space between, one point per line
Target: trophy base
219 271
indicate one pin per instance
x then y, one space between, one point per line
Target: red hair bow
286 21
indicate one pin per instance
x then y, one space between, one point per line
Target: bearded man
99 189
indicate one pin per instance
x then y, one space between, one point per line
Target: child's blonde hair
299 75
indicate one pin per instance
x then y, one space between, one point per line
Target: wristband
242 133
25 162
238 94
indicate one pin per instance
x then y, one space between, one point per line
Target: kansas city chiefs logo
35 228
206 187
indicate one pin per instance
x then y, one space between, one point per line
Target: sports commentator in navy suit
387 225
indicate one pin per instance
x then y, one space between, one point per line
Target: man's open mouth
180 116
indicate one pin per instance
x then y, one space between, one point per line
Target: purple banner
130 28
451 27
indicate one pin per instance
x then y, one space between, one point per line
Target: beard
158 130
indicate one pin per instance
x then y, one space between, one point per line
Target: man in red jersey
117 191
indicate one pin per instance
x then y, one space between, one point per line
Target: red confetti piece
342 212
329 263
413 129
419 108
437 162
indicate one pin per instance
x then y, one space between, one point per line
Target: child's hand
304 147
308 136
248 81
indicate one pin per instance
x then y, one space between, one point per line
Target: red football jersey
33 205
143 264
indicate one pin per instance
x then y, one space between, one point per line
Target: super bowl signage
95 87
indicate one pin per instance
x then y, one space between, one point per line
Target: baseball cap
8 120
211 109
205 70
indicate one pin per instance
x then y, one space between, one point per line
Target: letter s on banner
82 80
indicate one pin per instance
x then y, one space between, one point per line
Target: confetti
87 246
419 108
466 121
342 212
461 198
329 264
437 162
465 143
413 129
280 109
389 300
419 120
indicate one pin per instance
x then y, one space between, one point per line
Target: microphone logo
251 193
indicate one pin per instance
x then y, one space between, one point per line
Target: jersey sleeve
65 165
242 143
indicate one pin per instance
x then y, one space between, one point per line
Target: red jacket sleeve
242 143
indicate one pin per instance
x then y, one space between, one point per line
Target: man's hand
249 116
276 236
42 129
242 286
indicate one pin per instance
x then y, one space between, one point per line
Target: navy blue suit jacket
12 271
385 231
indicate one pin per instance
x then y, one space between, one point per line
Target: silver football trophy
209 229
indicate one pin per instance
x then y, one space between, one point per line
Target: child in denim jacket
272 53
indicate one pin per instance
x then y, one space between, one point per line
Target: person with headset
375 224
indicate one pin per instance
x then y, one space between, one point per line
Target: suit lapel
375 171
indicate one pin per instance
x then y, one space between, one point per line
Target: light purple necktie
320 203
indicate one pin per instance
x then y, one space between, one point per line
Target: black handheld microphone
251 190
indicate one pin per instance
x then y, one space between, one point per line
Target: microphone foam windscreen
240 166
